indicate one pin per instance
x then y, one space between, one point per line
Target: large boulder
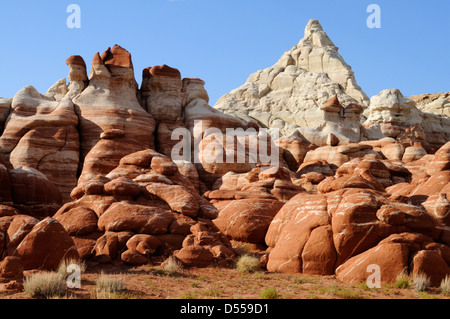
247 220
45 246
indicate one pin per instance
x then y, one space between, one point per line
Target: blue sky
224 41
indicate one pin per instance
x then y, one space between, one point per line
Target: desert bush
421 282
172 266
64 265
45 285
403 281
445 286
107 285
248 264
269 293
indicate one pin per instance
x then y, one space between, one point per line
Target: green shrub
269 293
403 281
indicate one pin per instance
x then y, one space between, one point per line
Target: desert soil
152 282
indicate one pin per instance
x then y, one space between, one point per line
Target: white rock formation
440 106
393 115
289 95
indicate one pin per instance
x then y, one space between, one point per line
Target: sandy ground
152 282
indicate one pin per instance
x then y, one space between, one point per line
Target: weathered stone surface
11 267
33 194
109 246
78 221
247 220
41 133
110 103
162 94
391 114
355 270
46 246
178 198
292 95
17 229
290 229
140 219
144 244
134 257
195 256
343 197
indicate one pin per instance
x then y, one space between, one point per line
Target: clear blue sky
224 41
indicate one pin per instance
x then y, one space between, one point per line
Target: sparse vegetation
426 295
45 285
144 282
173 267
212 292
107 286
421 282
445 286
64 269
269 293
188 295
403 281
347 293
304 280
248 264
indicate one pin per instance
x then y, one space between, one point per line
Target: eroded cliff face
81 129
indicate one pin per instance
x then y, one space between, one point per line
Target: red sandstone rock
144 244
46 246
441 160
33 193
11 267
195 256
178 198
247 220
117 57
357 270
109 246
18 228
290 230
140 219
78 221
294 151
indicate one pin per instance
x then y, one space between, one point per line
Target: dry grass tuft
45 285
248 264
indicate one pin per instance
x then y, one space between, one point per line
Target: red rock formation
41 133
112 122
45 246
143 209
